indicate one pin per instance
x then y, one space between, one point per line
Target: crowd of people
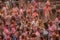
31 21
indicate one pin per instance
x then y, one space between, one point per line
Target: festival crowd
31 21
